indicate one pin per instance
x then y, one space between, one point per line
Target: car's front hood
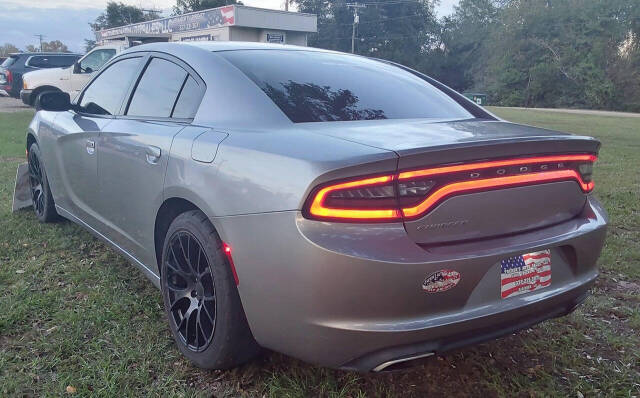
407 135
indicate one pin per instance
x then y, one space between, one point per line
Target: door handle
91 147
153 154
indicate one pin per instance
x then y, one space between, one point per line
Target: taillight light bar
413 193
318 209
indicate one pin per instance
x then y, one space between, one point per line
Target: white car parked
70 79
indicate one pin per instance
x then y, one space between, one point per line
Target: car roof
44 53
214 46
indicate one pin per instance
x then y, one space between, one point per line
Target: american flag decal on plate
525 273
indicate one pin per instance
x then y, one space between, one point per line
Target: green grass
74 313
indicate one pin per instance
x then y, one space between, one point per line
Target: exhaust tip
401 363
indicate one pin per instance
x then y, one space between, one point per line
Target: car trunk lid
482 213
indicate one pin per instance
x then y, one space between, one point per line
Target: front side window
95 59
156 93
105 94
311 86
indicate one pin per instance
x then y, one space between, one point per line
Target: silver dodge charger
347 211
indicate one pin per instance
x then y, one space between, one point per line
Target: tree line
534 53
52 46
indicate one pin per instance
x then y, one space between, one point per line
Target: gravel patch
9 105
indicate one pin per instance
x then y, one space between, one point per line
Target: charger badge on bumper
441 281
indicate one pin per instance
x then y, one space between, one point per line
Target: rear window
319 87
9 61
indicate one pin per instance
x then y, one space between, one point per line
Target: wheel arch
31 139
168 211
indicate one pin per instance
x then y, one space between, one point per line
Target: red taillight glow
491 184
319 209
496 163
227 252
416 192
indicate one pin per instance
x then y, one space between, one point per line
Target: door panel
75 156
131 167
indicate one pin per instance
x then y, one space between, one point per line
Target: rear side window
189 99
106 93
311 86
157 90
51 61
64 61
9 61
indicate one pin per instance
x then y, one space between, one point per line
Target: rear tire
200 296
43 205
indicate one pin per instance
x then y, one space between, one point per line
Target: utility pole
40 37
356 20
286 5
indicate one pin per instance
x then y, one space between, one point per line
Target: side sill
155 279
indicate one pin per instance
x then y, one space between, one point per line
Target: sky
67 20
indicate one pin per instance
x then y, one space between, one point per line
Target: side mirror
55 101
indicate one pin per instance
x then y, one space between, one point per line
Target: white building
230 23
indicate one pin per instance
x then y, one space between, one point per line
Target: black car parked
18 64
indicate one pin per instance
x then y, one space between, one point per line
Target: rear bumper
475 331
25 96
350 296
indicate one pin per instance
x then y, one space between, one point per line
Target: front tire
200 296
43 205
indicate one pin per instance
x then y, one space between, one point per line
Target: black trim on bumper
561 305
25 96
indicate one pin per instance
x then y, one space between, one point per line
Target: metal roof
214 46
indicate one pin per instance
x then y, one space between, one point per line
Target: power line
387 37
356 19
391 2
40 36
383 20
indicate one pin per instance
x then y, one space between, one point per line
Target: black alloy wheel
191 291
43 205
201 297
36 181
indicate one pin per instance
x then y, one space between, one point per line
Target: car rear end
359 279
6 75
470 229
492 237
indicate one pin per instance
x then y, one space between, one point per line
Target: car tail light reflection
413 193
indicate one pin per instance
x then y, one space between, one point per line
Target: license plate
525 273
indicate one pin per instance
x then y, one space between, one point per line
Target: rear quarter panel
259 172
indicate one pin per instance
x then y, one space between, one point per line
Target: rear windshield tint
320 87
9 61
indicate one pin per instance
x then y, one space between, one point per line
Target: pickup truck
17 64
70 79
